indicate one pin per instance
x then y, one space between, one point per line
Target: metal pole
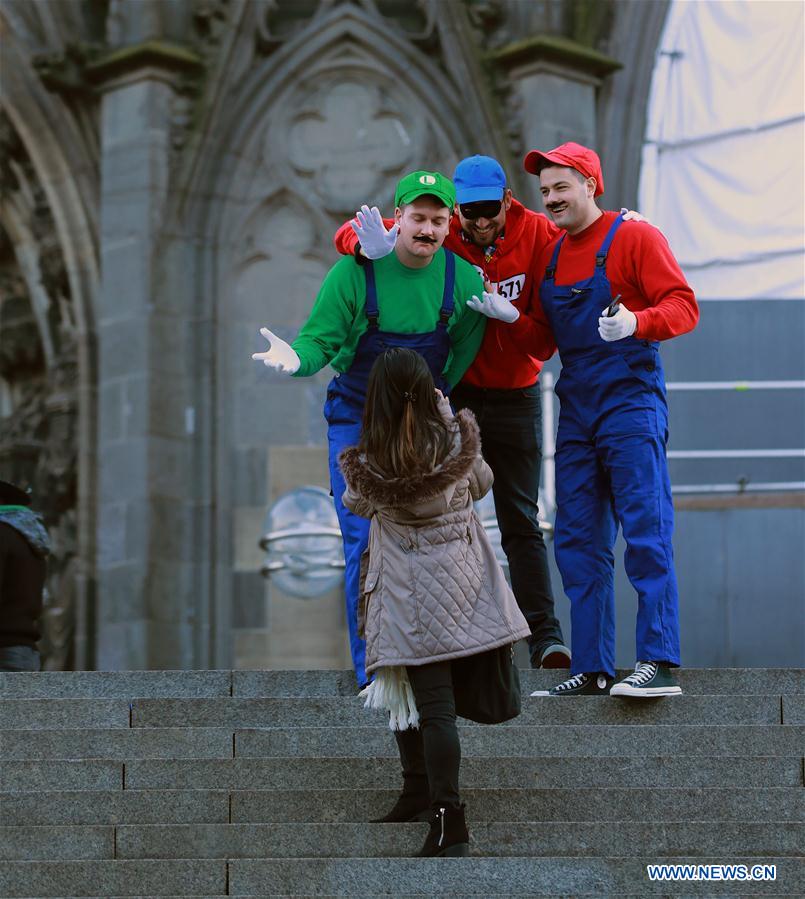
548 444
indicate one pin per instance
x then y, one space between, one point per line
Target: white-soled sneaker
593 684
648 679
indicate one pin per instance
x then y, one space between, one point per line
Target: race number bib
510 288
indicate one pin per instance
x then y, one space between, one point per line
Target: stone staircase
259 783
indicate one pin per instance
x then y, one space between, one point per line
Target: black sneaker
649 679
557 655
549 655
595 684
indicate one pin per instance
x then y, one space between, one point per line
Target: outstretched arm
280 355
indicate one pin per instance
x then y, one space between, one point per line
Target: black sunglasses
486 209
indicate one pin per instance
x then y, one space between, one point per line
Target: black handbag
487 686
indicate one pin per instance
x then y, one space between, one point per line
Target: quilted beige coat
431 587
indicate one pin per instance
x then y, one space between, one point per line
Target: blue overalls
343 410
610 468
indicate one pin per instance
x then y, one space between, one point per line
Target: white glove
279 355
493 305
621 324
629 215
376 242
443 405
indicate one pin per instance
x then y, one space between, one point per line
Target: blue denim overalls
343 411
610 469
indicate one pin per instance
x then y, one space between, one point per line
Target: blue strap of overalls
551 270
600 256
446 309
449 280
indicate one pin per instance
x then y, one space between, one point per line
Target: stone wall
194 158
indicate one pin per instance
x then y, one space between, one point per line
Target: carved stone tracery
350 138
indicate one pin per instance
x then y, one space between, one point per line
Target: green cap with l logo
417 184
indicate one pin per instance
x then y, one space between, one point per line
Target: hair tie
409 397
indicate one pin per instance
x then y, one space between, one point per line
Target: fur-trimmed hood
402 492
430 587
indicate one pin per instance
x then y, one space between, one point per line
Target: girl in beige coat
431 588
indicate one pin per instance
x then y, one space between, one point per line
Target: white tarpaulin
723 163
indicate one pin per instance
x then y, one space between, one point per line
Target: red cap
574 156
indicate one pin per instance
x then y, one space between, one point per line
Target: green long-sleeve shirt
408 301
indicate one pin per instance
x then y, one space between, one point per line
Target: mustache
554 206
423 239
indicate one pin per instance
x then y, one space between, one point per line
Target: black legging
432 754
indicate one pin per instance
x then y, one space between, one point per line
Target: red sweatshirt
500 362
640 267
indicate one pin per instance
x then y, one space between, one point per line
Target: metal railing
740 485
298 562
303 555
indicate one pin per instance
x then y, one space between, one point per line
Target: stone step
569 804
565 740
494 839
490 877
263 683
500 839
344 712
794 709
87 807
51 714
364 877
553 804
61 842
85 774
361 742
358 806
303 773
296 773
129 684
117 743
184 877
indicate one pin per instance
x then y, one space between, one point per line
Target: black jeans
511 438
431 755
19 658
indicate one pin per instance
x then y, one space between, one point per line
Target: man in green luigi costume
415 297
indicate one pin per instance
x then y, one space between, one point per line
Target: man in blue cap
499 236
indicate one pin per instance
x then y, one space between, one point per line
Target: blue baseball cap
479 178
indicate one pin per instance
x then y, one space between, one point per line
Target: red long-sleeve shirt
500 362
640 267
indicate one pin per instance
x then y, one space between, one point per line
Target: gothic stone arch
331 120
40 368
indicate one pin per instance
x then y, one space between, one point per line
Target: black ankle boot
448 836
408 807
413 803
